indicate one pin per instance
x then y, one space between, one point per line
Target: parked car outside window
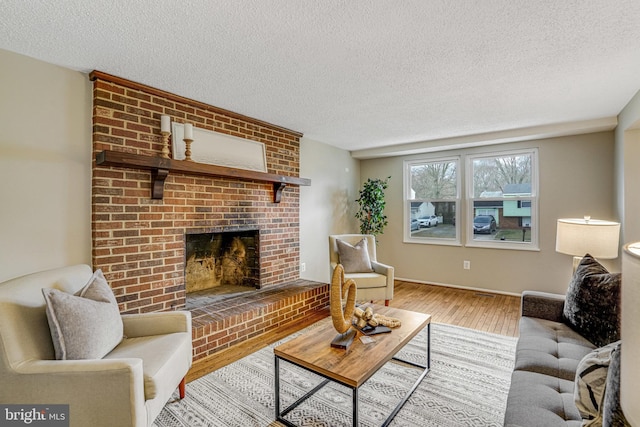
415 225
484 224
428 221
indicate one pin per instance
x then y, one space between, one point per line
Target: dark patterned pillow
612 411
592 304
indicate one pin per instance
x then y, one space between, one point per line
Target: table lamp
579 237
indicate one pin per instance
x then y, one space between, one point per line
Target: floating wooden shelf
161 167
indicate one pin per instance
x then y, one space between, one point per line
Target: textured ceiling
355 74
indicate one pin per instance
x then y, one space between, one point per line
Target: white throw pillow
590 384
354 258
86 325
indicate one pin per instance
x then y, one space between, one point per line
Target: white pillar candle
165 123
188 131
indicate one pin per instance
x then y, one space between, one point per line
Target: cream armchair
128 387
375 285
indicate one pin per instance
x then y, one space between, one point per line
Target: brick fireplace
139 242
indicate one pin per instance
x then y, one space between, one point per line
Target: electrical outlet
303 267
466 265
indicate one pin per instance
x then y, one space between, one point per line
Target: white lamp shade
578 237
629 371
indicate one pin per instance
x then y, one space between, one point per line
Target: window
432 198
502 200
501 206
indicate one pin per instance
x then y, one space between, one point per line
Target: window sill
504 246
438 242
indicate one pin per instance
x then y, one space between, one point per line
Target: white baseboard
448 285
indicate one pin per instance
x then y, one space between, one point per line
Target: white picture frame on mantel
215 148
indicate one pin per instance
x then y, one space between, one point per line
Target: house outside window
502 200
432 197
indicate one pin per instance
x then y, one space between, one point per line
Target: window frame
534 198
407 201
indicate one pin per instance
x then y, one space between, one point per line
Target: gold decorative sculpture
342 316
367 317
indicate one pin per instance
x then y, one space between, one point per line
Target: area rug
467 386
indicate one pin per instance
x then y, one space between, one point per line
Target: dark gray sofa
547 356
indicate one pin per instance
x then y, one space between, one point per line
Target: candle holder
187 149
165 144
165 130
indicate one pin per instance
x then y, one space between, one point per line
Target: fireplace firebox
223 262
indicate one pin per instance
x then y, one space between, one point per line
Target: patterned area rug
467 386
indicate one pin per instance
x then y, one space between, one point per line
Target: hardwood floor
479 310
484 311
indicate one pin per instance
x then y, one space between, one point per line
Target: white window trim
534 197
406 212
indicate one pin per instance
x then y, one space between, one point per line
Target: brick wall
138 242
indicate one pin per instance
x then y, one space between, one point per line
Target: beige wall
576 179
628 169
628 204
45 166
631 230
327 206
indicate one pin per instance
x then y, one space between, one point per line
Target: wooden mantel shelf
161 167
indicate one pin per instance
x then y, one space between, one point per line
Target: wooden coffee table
352 367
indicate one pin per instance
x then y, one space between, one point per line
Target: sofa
64 342
561 377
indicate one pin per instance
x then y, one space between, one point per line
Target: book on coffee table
370 330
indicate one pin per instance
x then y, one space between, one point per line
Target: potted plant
371 206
